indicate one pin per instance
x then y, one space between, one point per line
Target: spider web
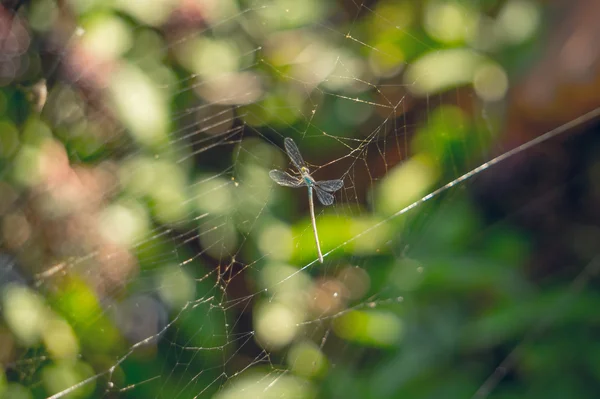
160 260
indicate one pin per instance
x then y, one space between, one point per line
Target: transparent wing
330 185
285 179
293 152
324 197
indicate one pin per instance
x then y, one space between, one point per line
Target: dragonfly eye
304 169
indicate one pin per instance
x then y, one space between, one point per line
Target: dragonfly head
304 170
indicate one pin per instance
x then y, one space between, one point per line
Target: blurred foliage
146 253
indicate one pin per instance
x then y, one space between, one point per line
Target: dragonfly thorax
308 180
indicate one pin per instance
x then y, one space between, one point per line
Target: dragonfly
323 188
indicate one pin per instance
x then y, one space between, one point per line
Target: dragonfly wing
324 197
285 179
293 152
330 185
